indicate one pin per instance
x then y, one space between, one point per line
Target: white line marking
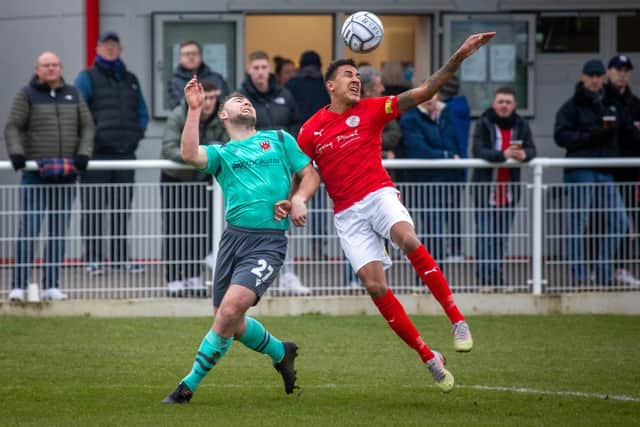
521 390
525 390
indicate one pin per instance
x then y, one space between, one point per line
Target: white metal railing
522 247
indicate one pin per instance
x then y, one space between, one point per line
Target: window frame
159 19
529 18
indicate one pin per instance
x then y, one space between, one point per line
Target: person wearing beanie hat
307 87
581 129
310 93
310 57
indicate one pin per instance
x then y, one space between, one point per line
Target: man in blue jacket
460 113
120 116
428 133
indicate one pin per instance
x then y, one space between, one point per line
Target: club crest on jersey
353 121
265 145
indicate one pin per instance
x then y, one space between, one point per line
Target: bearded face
239 112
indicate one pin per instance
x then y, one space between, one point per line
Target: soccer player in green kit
254 170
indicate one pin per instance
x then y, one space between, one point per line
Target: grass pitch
353 371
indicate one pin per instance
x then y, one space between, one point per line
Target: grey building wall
29 27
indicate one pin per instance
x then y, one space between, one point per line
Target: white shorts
363 227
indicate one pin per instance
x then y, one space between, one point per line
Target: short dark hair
280 63
208 86
232 95
191 42
258 54
330 74
505 90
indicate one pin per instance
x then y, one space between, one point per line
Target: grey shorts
248 257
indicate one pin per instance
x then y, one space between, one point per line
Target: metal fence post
537 231
217 222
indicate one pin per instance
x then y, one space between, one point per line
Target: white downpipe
218 217
536 238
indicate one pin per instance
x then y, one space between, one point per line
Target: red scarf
501 195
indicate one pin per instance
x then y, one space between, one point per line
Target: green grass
352 371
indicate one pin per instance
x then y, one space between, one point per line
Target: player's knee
405 237
228 313
375 288
408 242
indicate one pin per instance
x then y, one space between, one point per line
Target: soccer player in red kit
344 139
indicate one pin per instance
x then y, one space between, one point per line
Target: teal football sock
257 338
211 350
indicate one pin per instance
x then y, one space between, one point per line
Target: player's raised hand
194 94
473 43
281 210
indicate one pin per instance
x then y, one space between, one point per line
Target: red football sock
430 274
397 318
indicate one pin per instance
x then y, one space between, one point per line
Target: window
503 62
295 34
568 34
220 38
406 40
628 27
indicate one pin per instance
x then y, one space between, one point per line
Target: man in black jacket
500 135
618 75
307 87
120 114
190 64
588 125
275 106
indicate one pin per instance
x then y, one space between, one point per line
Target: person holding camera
588 125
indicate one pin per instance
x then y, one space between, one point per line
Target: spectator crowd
104 115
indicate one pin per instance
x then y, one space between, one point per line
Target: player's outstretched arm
308 184
190 149
412 97
304 185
